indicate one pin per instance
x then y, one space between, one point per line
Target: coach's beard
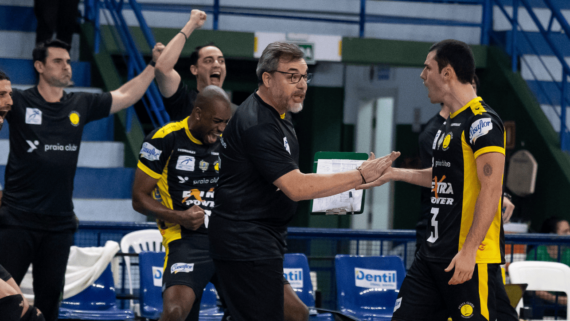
296 108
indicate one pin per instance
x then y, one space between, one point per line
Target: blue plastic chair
151 268
367 286
296 271
97 302
151 265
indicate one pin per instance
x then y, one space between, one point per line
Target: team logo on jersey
181 268
33 116
33 145
435 139
286 143
294 277
480 127
204 165
382 279
217 166
466 309
74 118
441 188
186 163
446 141
150 152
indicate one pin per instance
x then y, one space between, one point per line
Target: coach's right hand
197 18
374 167
192 218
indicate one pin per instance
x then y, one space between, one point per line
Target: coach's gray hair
275 51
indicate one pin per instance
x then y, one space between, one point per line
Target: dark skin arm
143 203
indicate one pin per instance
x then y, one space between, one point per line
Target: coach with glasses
260 185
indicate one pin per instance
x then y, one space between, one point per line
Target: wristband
360 171
185 36
152 63
507 195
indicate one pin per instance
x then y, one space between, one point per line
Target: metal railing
132 56
547 33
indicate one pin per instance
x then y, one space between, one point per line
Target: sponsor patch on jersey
286 143
186 163
441 163
480 127
181 268
382 279
74 118
466 309
435 139
157 275
204 165
455 124
217 166
398 304
150 152
446 141
186 151
294 277
33 116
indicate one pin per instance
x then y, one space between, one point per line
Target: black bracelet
507 195
152 63
359 170
185 36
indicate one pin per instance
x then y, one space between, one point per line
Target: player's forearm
171 53
148 206
485 209
132 91
311 186
421 177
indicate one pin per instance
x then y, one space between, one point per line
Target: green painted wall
510 96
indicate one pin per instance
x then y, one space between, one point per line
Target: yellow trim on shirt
489 149
471 103
282 116
483 289
148 171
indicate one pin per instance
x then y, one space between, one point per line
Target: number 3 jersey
187 172
470 132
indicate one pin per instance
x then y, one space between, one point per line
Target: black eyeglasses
295 77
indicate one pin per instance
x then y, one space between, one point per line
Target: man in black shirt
259 186
179 166
36 217
207 63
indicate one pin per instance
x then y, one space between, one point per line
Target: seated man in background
179 165
13 305
549 253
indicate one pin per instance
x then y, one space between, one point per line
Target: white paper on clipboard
342 200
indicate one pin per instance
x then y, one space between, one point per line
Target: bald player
179 166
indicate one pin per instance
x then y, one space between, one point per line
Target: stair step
526 42
17 18
21 71
110 183
110 210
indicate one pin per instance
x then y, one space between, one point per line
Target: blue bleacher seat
97 302
151 268
367 286
296 271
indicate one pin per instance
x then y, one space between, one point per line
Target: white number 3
434 235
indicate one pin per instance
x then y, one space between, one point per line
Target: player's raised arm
133 90
168 79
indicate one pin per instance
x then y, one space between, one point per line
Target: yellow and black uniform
187 173
470 132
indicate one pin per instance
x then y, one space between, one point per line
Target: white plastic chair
144 240
542 276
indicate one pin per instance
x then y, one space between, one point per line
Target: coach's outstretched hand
192 218
374 170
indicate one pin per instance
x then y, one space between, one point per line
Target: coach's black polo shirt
249 221
44 149
181 104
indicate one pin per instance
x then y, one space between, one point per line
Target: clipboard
338 156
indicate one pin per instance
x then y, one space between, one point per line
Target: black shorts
425 293
188 262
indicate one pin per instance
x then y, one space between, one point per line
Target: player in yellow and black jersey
456 267
179 167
